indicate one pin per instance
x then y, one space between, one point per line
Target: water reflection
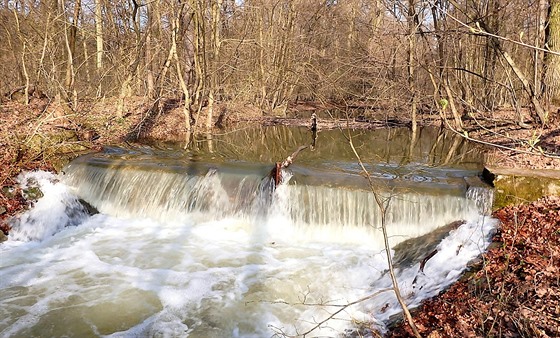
431 147
433 157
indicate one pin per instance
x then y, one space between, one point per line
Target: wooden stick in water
276 172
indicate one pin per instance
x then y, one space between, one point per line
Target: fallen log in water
276 172
423 263
409 252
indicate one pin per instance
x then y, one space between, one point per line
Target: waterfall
483 197
47 216
166 195
319 211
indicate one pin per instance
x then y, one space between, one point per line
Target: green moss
520 189
32 193
57 148
9 192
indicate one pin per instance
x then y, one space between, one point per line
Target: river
199 242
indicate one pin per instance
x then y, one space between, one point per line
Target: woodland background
447 57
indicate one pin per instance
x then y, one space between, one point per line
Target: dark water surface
433 158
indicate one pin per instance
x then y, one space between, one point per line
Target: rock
513 190
488 177
2 210
3 237
9 192
32 193
4 230
90 209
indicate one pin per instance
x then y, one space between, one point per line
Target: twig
344 307
480 31
539 153
289 160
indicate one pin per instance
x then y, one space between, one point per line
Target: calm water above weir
198 243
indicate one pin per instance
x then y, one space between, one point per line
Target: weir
312 204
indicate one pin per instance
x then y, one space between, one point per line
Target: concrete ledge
546 173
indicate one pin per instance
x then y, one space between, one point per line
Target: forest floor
514 290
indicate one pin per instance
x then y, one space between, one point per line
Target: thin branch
326 304
479 31
344 308
536 151
382 206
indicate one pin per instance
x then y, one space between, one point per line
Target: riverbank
511 291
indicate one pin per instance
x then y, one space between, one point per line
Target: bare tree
412 29
552 62
99 40
371 56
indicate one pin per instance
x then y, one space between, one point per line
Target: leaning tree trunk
541 114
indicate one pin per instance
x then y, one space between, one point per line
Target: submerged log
276 172
409 252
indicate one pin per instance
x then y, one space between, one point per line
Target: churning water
199 246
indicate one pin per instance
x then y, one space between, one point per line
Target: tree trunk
552 62
98 35
86 56
199 56
541 115
216 44
539 41
453 107
411 51
490 57
187 103
148 62
261 47
24 73
133 65
70 39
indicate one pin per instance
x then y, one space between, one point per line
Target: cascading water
201 247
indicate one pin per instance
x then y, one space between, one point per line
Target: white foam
57 208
